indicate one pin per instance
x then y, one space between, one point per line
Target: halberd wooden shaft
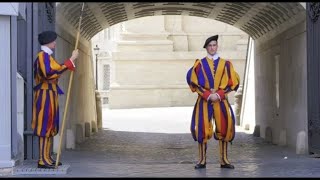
68 94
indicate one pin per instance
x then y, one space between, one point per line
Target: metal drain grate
31 168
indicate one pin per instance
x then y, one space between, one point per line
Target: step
152 46
143 36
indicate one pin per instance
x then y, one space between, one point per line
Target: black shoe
54 163
200 166
229 166
46 166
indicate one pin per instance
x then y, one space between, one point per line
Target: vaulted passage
259 20
275 69
274 91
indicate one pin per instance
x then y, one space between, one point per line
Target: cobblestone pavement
135 152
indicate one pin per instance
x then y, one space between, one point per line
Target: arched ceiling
256 19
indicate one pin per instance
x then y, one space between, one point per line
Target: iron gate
313 73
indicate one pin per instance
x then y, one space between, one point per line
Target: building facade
147 58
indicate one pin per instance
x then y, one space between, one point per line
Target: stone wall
288 114
82 106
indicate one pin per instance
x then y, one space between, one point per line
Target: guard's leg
44 161
202 148
48 147
224 162
50 143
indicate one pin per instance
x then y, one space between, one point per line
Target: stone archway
273 26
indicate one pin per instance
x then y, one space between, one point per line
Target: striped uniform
204 76
220 76
45 121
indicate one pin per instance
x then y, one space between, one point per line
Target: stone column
99 110
237 104
5 93
173 25
20 119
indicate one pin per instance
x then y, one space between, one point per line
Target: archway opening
142 71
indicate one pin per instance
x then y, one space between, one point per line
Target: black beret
47 37
212 38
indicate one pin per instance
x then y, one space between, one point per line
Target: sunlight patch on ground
156 120
173 120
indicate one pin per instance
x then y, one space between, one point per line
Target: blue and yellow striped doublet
220 76
45 121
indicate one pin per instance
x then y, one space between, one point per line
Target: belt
38 86
54 81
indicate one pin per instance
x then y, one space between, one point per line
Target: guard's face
212 47
52 45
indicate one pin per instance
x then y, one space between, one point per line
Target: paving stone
116 153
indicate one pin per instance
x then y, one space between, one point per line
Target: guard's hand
214 98
75 54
